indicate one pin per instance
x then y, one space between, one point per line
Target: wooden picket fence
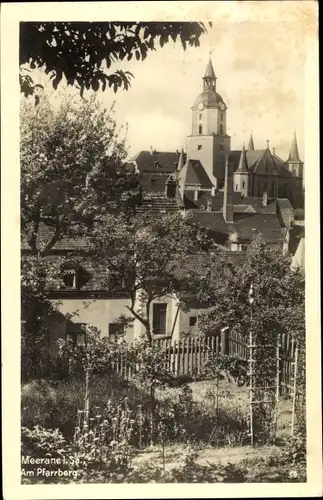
188 356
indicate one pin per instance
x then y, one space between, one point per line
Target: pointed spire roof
293 154
251 146
209 72
181 160
243 165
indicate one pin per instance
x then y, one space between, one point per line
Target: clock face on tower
200 106
222 106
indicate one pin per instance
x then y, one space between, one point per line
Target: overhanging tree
71 169
83 52
148 254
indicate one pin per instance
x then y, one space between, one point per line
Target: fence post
225 340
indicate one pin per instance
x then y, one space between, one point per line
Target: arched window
200 116
243 184
221 116
200 129
221 129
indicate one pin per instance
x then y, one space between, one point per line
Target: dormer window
69 278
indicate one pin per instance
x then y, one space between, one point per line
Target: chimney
228 193
213 191
209 205
196 194
170 187
264 199
151 151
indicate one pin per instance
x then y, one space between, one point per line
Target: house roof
193 173
156 161
245 225
155 202
67 243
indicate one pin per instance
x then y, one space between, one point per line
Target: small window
243 184
159 318
221 129
200 116
76 333
236 187
221 116
193 320
69 278
156 164
221 147
200 129
116 331
199 147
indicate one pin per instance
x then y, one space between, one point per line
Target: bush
56 405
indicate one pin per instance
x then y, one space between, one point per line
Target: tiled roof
157 161
193 173
157 203
45 233
245 225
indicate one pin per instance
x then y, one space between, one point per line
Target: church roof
193 173
251 146
293 154
209 98
243 166
209 72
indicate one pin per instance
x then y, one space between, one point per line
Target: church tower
209 142
295 165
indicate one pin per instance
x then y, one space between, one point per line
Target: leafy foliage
71 169
148 255
83 53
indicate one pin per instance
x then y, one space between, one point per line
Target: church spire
251 146
209 78
293 154
243 166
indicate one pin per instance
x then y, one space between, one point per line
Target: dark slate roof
245 225
156 161
241 203
194 173
153 182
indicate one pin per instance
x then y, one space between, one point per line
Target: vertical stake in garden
251 361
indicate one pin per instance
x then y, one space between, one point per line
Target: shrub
56 405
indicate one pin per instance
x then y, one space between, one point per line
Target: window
116 331
221 129
243 184
69 278
159 319
221 147
193 321
199 147
236 187
76 333
221 116
200 129
200 116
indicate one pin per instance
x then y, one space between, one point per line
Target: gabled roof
153 182
193 173
157 203
156 161
203 196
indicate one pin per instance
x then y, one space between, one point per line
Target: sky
260 75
